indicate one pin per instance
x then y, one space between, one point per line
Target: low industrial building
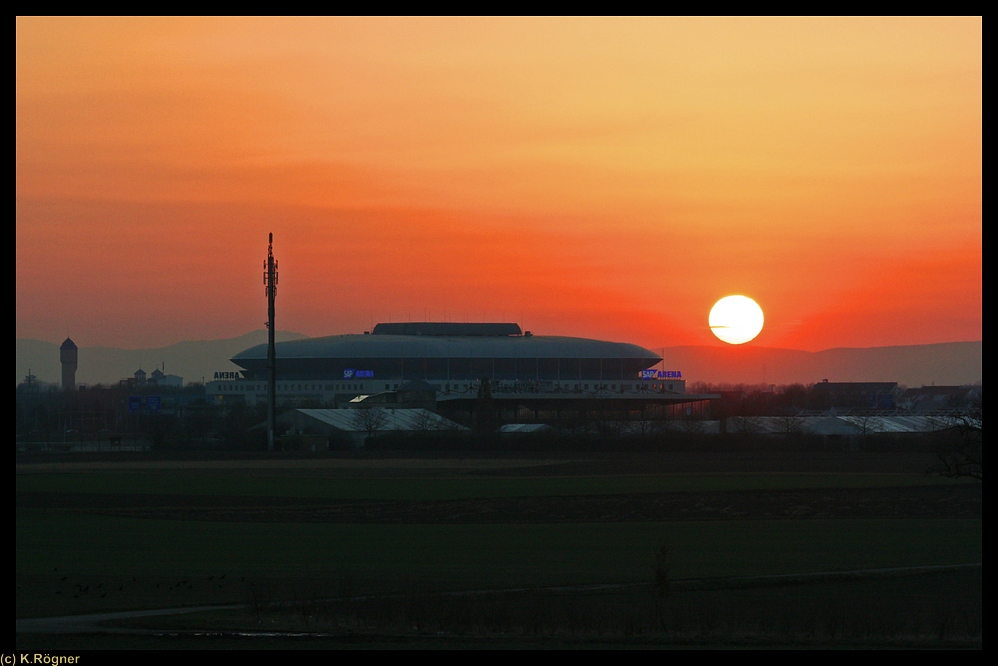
855 395
354 427
941 398
833 425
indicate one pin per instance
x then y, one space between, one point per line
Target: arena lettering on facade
220 376
661 374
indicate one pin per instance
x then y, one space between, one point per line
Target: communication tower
270 286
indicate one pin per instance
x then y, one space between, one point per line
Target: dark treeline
104 418
120 416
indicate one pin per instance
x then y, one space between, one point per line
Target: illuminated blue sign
153 404
351 373
348 373
364 373
661 374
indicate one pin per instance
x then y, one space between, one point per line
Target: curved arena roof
443 346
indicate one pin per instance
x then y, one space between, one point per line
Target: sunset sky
607 178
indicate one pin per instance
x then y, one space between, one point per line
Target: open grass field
929 610
263 484
93 538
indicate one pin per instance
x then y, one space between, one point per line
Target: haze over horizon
913 365
603 178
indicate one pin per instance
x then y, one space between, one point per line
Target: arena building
454 359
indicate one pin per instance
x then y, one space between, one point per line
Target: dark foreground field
844 549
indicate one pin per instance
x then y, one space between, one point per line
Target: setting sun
736 319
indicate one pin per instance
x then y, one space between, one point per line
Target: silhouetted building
855 395
69 357
940 398
160 378
449 361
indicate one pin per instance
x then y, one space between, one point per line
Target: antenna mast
270 286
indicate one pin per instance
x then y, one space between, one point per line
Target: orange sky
605 178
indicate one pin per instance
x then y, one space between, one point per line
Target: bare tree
690 426
424 421
959 450
485 410
746 425
790 425
869 424
607 423
370 420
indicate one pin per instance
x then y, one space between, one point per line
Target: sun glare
736 319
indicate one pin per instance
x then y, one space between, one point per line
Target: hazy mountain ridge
914 365
191 359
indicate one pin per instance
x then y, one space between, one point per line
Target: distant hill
106 365
916 365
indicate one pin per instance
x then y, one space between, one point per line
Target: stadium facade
453 358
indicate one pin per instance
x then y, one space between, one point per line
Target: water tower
68 356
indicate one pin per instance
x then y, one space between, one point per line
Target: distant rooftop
447 329
855 388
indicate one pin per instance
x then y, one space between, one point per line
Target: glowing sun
736 319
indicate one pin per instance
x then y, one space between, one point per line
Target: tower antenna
270 286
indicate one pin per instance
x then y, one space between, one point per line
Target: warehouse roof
405 420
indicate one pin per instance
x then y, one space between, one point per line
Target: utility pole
270 286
